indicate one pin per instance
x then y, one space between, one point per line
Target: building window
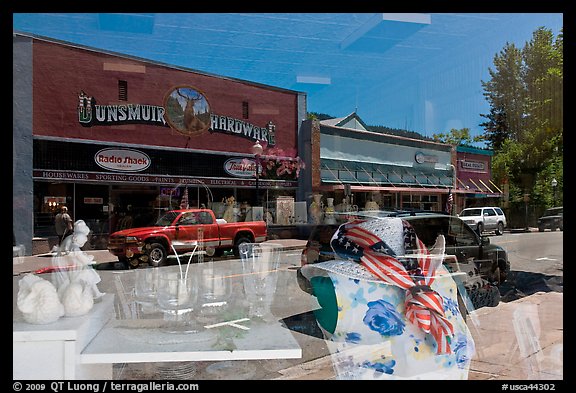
123 90
245 111
420 202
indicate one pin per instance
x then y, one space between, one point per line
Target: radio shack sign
122 160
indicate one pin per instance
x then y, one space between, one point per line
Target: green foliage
525 124
459 137
318 116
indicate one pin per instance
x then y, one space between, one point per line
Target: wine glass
177 295
215 289
260 262
146 288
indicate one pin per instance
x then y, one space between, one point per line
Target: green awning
370 174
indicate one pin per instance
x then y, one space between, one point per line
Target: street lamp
257 151
554 185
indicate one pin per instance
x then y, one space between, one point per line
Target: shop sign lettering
122 160
473 165
89 113
230 125
154 179
240 167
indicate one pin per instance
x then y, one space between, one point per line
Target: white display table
114 331
137 341
52 351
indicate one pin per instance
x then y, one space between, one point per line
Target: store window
420 202
122 90
245 110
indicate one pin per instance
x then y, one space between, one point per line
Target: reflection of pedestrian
63 224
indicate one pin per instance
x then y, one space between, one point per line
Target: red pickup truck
179 230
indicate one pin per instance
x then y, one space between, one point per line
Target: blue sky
420 72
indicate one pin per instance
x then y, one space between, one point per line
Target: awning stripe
460 181
484 184
491 182
370 176
385 177
400 176
351 174
477 186
333 174
425 175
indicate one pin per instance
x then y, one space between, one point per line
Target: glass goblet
177 295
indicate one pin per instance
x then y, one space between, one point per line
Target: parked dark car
486 265
552 219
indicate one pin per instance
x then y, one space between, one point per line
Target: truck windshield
166 219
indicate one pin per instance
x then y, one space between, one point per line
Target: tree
457 137
525 124
504 92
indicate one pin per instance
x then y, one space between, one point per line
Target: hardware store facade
119 140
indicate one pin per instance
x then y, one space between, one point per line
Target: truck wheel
239 241
500 229
156 254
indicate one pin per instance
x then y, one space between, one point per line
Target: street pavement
518 340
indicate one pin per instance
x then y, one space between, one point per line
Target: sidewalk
32 263
521 340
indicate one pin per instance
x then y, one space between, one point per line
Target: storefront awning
381 176
358 188
477 186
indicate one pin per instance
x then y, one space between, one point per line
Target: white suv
484 219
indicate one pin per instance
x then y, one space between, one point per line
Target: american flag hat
391 236
388 249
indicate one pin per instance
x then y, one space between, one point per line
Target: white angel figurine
76 279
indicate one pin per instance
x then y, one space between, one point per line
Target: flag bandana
390 250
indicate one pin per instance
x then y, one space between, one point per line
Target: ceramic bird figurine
76 298
38 300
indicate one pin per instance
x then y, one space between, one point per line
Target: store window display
389 307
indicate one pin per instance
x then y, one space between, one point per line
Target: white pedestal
52 351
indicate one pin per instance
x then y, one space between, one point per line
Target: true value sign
240 167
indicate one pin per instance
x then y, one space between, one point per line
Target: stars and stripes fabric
449 201
399 259
184 202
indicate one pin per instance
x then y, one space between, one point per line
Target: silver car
484 219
